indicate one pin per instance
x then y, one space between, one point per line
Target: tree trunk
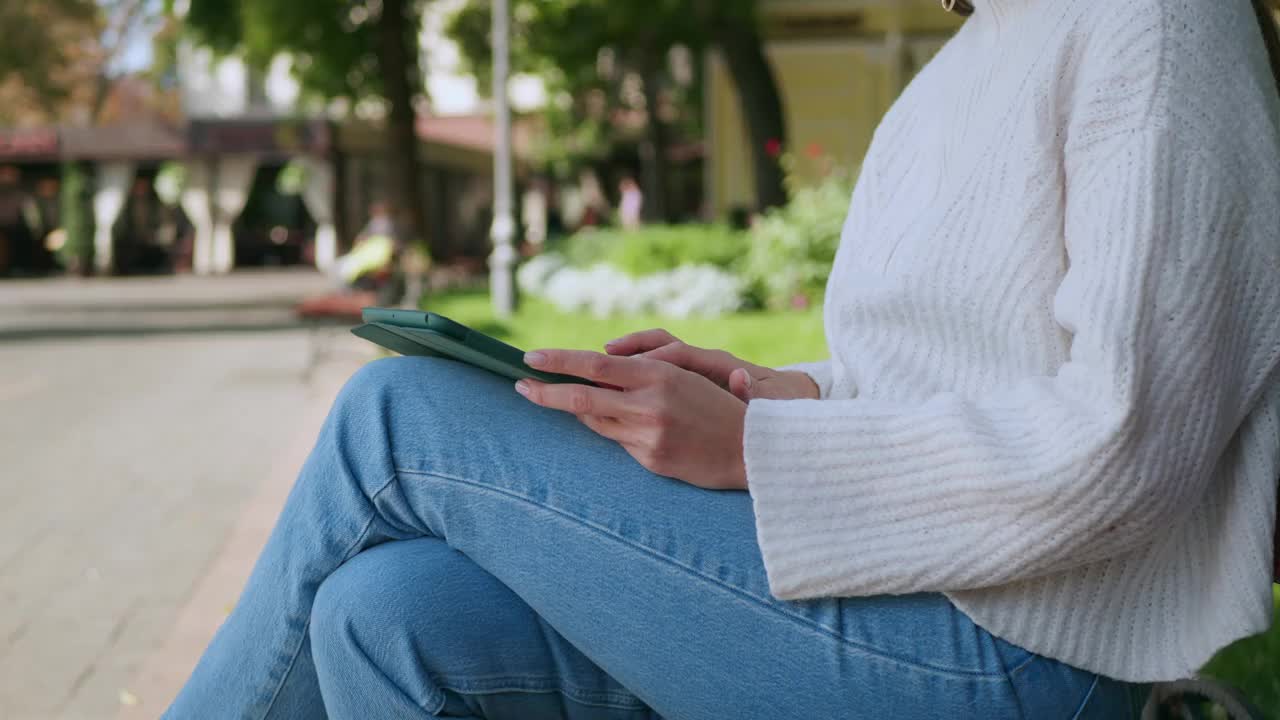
761 104
653 153
401 75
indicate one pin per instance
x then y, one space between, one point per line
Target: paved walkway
148 431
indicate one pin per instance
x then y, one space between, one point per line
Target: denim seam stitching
1085 702
542 682
801 620
626 703
1030 658
306 626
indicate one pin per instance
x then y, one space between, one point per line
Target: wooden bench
326 317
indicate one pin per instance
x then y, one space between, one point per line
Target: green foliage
659 248
794 246
77 222
585 247
217 25
1253 664
766 338
562 39
656 248
171 178
569 141
589 54
292 178
334 43
785 258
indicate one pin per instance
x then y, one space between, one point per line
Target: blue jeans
450 550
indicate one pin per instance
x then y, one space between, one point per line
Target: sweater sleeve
819 372
1172 307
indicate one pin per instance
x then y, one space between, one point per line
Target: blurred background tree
40 53
59 57
605 62
734 29
362 51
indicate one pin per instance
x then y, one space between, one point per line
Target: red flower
814 150
773 146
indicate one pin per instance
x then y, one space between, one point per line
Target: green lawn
765 338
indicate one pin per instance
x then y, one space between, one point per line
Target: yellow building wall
839 66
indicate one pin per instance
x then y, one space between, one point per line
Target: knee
429 387
382 376
330 616
417 375
376 608
388 381
342 623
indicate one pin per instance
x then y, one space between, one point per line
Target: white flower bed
603 290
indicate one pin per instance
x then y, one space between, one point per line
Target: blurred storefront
251 192
246 174
133 232
839 64
238 213
29 187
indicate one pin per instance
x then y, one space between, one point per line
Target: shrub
793 247
782 262
1253 664
586 247
656 248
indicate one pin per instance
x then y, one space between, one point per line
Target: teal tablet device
413 332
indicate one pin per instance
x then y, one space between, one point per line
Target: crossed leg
654 589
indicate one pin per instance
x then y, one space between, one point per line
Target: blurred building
839 65
244 131
247 175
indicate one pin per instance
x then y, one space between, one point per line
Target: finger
639 342
713 364
773 387
577 399
740 384
623 372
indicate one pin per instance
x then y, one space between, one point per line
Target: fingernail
749 381
534 358
522 387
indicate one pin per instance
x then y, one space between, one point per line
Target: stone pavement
149 429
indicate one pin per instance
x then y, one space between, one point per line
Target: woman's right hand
746 380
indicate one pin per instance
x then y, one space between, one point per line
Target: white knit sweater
1054 324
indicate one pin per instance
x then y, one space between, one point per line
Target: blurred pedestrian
630 203
372 254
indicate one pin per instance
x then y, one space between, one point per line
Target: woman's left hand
672 421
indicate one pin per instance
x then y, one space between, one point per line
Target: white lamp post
501 284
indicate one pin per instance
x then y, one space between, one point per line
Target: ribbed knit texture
1054 322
